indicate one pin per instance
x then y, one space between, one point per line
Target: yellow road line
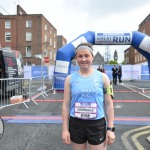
136 142
125 135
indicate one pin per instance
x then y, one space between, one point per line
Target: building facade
131 55
61 41
31 34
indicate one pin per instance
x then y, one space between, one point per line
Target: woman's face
84 58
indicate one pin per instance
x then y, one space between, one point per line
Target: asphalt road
39 126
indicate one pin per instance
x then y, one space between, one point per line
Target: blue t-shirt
87 99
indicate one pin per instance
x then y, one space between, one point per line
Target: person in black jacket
114 74
100 69
120 74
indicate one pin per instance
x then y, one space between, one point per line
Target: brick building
61 41
131 55
31 34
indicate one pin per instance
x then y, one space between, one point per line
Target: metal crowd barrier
20 90
54 83
14 91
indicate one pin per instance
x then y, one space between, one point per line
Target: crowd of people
116 73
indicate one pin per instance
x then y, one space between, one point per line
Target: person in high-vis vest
87 112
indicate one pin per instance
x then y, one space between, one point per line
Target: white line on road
129 87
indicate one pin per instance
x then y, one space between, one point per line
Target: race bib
85 110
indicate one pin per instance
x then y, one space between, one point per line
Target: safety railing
14 91
20 90
54 82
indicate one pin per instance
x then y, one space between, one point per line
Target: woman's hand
110 137
66 137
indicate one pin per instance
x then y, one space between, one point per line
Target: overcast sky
74 17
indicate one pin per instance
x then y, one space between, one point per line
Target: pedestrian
120 74
114 74
84 106
100 69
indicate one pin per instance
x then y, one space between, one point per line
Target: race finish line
31 119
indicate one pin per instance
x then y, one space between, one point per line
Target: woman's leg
76 146
101 146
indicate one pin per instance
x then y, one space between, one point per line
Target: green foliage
113 62
123 62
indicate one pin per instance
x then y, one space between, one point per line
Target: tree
123 62
113 62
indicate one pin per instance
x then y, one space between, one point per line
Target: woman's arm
109 109
65 111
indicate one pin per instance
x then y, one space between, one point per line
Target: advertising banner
118 38
27 72
38 71
144 73
131 72
108 70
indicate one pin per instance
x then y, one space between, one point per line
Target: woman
83 105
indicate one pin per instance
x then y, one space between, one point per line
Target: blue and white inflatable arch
138 40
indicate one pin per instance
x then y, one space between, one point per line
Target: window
140 57
136 59
45 52
45 38
7 37
7 24
28 51
54 44
54 34
51 55
45 27
28 36
50 31
7 47
50 42
28 63
28 24
64 43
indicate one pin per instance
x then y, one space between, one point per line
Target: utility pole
107 54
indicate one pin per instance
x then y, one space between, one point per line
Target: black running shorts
93 131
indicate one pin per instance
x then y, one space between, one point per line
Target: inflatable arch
138 40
